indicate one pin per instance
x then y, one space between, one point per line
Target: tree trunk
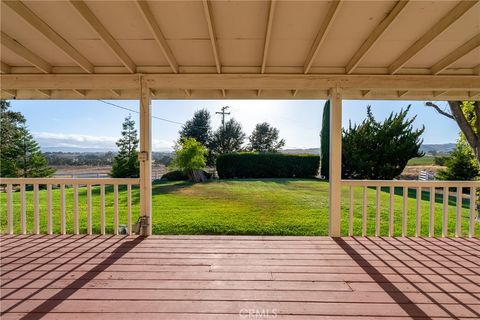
468 130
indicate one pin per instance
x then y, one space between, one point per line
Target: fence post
335 192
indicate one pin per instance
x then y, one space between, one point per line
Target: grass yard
238 207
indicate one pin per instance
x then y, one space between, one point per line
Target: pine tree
461 164
30 162
125 163
229 139
10 123
325 142
198 128
264 138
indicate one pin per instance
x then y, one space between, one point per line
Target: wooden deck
221 277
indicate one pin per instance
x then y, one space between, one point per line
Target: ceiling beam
455 55
375 36
443 24
241 82
46 93
439 93
322 34
116 93
11 93
268 34
402 93
81 93
26 54
157 33
103 33
4 68
207 9
476 70
37 23
473 93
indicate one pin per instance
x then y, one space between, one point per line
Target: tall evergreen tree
30 162
325 142
10 124
461 164
229 139
264 138
125 163
198 127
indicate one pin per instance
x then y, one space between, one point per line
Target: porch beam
443 24
157 33
268 34
335 173
4 68
375 36
322 34
103 33
145 155
211 32
37 23
455 55
25 53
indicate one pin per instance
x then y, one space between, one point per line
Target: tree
190 157
30 162
264 138
461 165
198 127
125 163
10 124
467 116
325 142
380 151
229 139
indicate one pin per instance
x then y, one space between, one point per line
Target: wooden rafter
116 93
25 53
455 55
322 34
157 33
46 93
31 18
443 24
11 93
81 93
268 33
4 68
401 93
439 93
103 33
211 32
476 70
375 36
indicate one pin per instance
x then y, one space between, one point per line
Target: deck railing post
335 96
145 158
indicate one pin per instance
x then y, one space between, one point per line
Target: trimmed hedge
267 165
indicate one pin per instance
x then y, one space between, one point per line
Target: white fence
62 184
419 186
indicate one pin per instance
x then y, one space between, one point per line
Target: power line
223 113
132 110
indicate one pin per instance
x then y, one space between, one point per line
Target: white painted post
335 191
145 156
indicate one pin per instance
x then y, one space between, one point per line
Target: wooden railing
433 189
20 185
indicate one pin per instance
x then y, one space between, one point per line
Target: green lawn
241 207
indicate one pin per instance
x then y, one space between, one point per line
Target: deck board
226 277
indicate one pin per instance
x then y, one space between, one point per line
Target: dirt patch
412 172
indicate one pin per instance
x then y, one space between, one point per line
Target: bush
267 165
178 175
441 161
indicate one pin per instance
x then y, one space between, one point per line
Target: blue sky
93 124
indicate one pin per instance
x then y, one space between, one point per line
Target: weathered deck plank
225 277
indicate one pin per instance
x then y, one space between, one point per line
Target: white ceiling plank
4 68
103 33
157 33
25 53
375 36
211 31
443 24
455 55
24 12
322 34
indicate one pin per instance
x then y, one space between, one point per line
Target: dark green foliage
229 140
266 165
198 128
325 142
264 138
441 160
10 122
125 163
461 165
179 175
380 150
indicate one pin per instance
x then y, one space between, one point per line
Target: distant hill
427 148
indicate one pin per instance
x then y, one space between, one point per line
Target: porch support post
335 96
145 158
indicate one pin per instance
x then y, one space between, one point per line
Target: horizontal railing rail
21 184
433 188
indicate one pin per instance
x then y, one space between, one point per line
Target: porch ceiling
434 45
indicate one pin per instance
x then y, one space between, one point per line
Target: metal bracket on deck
141 226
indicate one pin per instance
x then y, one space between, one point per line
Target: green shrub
441 161
176 175
267 165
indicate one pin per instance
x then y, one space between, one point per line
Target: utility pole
223 113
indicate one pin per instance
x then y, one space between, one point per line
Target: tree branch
466 128
439 110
